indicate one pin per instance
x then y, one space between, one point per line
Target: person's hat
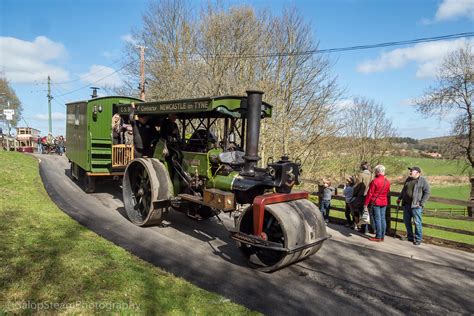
415 168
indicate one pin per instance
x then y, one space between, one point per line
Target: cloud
452 9
25 62
108 76
344 104
55 116
427 56
129 39
408 102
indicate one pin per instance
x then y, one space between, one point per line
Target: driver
144 133
169 130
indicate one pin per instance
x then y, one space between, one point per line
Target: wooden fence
429 213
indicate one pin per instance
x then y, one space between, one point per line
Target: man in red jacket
377 197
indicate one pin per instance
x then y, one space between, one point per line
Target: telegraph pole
49 106
8 121
142 72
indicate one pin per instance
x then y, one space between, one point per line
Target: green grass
48 258
433 167
457 192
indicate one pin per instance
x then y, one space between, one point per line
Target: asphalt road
348 275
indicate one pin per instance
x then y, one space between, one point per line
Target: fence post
471 197
388 214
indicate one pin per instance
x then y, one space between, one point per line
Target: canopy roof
223 106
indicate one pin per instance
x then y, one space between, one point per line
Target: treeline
405 140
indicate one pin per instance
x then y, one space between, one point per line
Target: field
49 263
432 167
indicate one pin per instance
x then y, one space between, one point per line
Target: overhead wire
341 49
283 54
86 86
92 73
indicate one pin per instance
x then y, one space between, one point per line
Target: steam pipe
254 109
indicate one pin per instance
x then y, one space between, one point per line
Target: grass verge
49 262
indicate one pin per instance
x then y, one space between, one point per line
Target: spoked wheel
292 225
145 181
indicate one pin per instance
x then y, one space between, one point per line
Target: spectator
50 139
39 145
348 192
326 196
361 187
61 145
377 197
415 193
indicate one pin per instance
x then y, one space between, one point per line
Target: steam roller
194 172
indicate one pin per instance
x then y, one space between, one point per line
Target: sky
80 43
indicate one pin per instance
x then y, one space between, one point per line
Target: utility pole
8 121
49 106
142 72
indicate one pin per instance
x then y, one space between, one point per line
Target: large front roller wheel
146 180
291 224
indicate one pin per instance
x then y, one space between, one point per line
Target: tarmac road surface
348 275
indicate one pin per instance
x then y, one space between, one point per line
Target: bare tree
367 132
227 51
8 96
453 93
167 34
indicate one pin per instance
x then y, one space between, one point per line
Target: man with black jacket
144 133
413 197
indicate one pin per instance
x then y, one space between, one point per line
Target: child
327 193
348 191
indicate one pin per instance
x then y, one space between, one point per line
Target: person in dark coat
144 134
414 195
169 130
361 187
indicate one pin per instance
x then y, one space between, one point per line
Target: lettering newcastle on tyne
167 107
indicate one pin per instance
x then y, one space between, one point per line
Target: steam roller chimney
254 110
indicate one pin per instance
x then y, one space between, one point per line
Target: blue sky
79 42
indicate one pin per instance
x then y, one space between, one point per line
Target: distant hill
436 140
435 147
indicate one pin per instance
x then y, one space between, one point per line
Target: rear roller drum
146 181
292 225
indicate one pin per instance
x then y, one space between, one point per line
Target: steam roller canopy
297 227
146 181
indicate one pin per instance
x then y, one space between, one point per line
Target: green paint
218 105
222 182
89 132
196 163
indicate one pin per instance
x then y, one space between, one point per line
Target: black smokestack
254 110
94 92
